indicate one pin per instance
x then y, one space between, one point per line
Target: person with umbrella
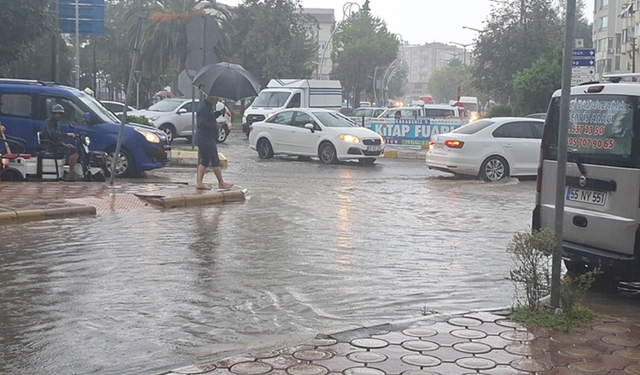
206 133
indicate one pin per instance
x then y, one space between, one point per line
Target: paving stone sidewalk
474 343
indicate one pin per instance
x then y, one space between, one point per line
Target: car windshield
166 105
474 127
98 109
334 120
271 99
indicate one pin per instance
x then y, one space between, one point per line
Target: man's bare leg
200 176
221 184
73 160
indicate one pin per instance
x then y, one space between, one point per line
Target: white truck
292 93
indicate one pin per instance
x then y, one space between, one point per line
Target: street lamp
347 10
472 29
464 47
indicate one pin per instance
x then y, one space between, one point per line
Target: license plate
374 148
586 196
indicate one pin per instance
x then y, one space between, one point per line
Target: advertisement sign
601 126
412 133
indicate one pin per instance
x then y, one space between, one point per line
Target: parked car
26 104
174 117
362 116
541 116
492 148
304 132
116 107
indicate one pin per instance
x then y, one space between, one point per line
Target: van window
439 113
474 127
295 101
603 130
270 99
18 105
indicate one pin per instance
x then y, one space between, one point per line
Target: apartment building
613 35
326 22
423 60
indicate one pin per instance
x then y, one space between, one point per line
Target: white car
116 107
327 134
492 148
174 117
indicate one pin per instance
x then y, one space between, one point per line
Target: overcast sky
422 21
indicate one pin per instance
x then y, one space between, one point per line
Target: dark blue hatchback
24 105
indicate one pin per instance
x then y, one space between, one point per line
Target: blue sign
412 133
584 52
86 27
91 16
584 62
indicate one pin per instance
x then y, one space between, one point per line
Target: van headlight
149 136
349 138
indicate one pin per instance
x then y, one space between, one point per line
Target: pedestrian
206 134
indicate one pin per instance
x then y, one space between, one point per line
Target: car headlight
154 118
349 138
381 139
87 141
149 136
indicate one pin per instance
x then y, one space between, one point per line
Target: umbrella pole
193 117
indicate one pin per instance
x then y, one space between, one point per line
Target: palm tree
164 43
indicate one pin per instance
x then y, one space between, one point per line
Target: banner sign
412 133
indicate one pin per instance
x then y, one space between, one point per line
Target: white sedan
492 148
326 134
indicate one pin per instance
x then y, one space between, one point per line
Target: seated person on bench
51 132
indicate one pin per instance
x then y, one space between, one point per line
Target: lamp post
464 47
347 10
472 29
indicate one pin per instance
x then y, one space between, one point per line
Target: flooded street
315 249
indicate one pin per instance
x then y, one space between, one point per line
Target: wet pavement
474 343
315 249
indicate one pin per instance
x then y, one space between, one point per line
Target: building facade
326 22
613 36
423 60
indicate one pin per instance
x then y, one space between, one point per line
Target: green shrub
500 110
139 120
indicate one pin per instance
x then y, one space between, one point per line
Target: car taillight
431 142
453 144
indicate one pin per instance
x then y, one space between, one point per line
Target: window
537 127
603 23
439 113
18 105
282 118
514 130
301 119
604 4
73 114
295 101
617 63
270 99
474 127
188 106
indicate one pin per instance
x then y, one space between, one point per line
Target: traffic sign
90 16
85 11
86 27
584 62
584 52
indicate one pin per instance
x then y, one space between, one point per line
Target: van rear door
601 200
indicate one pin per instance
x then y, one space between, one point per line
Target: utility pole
77 45
54 45
563 135
633 54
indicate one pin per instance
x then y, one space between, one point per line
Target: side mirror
310 127
181 111
87 117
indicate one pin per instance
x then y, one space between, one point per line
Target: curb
191 161
201 199
25 216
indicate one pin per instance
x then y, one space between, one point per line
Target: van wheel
169 130
11 175
327 153
265 151
126 166
494 168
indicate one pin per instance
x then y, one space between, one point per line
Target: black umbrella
227 81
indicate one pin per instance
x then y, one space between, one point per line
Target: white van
602 214
292 93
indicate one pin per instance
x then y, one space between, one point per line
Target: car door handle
508 145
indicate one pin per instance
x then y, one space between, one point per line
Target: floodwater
315 249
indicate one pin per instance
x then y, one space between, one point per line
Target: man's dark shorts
62 151
207 151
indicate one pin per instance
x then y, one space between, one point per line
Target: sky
423 21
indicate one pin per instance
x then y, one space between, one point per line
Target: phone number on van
596 144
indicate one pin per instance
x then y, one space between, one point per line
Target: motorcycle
91 163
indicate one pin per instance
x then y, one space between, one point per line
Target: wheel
327 153
11 175
169 130
223 133
494 168
126 164
367 161
265 151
